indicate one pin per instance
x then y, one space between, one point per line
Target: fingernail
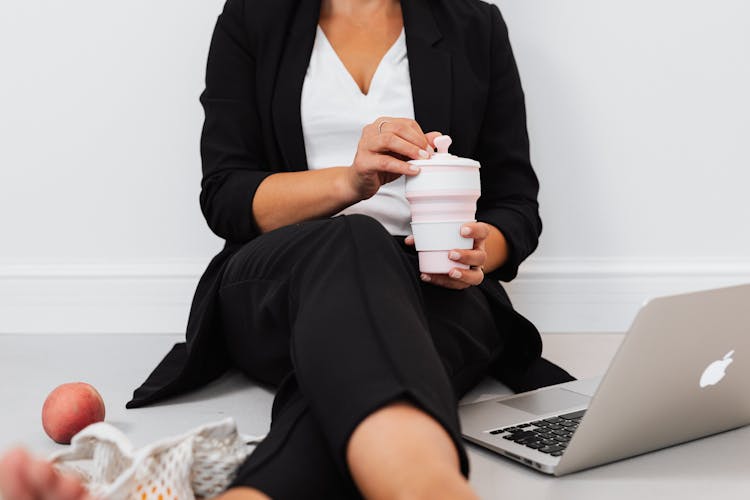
465 231
454 274
454 255
414 168
425 277
423 153
430 149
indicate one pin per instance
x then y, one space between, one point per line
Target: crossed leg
397 452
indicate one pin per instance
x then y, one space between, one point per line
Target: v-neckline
348 76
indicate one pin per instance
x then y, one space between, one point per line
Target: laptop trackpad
549 401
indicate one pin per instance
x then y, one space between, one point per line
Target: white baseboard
604 295
558 295
151 297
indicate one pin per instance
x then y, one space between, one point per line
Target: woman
312 110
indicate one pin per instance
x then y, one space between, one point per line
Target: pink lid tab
442 158
442 143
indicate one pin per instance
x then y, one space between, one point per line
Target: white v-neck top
334 110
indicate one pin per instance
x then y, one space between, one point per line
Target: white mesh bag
201 462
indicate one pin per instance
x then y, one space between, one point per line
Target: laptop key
560 432
530 439
523 426
556 453
497 431
535 446
554 426
574 415
552 420
550 449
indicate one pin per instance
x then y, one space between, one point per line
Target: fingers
468 276
69 488
406 128
430 136
456 279
477 230
475 257
387 163
42 479
444 281
25 478
388 142
13 482
383 148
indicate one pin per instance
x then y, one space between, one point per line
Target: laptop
682 372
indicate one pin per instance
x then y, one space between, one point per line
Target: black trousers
333 314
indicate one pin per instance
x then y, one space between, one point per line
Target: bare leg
401 452
23 477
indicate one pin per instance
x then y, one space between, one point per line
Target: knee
364 226
354 236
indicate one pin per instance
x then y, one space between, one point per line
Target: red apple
69 408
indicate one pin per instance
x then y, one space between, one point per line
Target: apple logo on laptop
716 370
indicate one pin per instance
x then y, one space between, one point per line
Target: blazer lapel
285 104
429 67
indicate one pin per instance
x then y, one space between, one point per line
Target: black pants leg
334 309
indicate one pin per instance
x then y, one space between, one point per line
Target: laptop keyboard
549 435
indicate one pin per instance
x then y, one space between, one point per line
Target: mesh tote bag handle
200 462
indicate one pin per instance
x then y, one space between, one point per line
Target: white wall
99 163
639 116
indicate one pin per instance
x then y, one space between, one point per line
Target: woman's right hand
382 153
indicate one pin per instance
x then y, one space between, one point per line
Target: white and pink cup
442 197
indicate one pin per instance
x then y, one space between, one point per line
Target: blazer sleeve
231 140
509 184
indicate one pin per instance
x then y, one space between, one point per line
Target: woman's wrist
497 249
345 191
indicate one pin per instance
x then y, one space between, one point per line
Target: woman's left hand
458 279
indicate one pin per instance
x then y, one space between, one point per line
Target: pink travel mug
442 197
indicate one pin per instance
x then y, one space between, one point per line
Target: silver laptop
681 373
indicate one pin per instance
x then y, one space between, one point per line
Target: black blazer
464 83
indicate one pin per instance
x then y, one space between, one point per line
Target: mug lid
443 157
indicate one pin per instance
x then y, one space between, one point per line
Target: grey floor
32 365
